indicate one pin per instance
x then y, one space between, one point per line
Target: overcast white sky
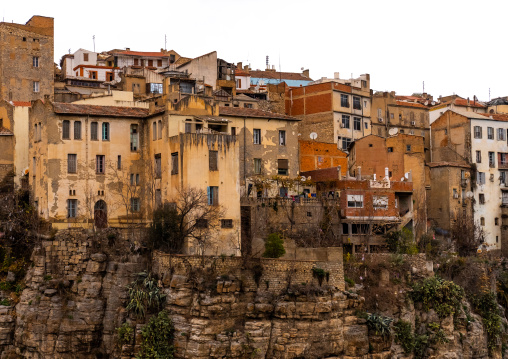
454 46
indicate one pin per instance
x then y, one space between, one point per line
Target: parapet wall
276 274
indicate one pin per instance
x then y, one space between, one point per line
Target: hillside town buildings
106 138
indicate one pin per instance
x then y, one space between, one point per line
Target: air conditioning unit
413 123
380 119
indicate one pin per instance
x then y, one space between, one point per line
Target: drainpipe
244 154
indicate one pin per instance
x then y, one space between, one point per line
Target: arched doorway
100 214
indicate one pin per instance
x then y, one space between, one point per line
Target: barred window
66 129
77 130
93 130
71 163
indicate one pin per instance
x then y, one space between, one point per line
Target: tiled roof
22 103
410 104
463 102
182 61
5 132
279 75
239 72
250 112
496 116
94 110
141 53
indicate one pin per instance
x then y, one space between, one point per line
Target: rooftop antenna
165 42
93 37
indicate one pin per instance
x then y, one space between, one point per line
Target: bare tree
192 218
467 234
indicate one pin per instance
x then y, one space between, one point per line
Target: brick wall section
315 155
277 274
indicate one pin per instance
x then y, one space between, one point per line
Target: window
72 206
357 123
201 223
77 130
119 162
391 115
482 221
283 192
492 162
247 105
92 75
213 195
490 133
226 223
233 131
501 134
158 165
478 156
154 130
446 131
71 163
502 176
35 61
503 159
257 166
481 198
480 178
390 149
496 221
85 56
344 100
212 160
412 132
93 130
408 148
100 163
159 63
379 113
66 129
105 131
135 204
357 104
504 196
345 143
174 163
36 133
134 137
477 132
401 131
238 83
345 121
159 130
380 202
136 62
109 76
355 200
282 138
188 127
282 167
257 136
366 125
36 86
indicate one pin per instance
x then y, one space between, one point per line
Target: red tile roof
463 102
22 103
144 54
5 132
239 72
251 112
94 110
279 75
410 104
496 116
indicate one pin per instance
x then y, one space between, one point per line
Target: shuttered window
212 160
174 163
283 166
93 131
71 163
77 130
66 129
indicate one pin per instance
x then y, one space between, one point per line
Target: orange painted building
318 155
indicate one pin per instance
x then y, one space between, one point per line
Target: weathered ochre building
390 115
317 155
403 156
338 111
26 60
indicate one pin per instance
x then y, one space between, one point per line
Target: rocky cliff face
76 294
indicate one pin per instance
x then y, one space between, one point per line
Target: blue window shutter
208 195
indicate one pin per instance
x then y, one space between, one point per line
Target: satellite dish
393 131
313 135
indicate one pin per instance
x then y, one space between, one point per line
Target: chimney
386 173
468 100
306 73
239 65
336 75
359 173
339 172
127 49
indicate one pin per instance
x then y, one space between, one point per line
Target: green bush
274 246
442 295
145 295
401 242
349 281
379 324
165 232
125 333
404 335
486 305
157 338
